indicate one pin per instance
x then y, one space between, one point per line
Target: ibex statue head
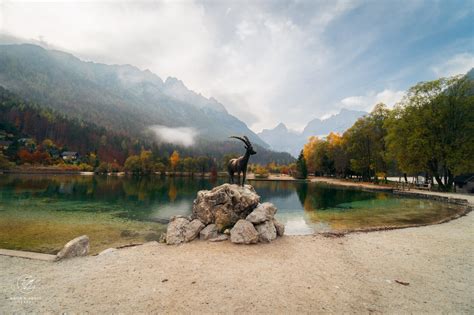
239 165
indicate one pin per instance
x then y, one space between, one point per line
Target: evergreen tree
302 170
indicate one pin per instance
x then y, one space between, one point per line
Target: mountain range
121 98
283 139
132 102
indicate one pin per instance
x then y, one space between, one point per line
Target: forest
36 135
430 133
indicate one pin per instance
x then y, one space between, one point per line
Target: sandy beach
414 270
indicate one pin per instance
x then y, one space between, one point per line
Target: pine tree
302 170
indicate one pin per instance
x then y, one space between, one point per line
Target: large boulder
181 230
264 212
266 231
243 232
224 205
74 248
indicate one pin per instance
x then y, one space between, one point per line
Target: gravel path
357 273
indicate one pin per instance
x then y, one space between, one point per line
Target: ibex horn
241 139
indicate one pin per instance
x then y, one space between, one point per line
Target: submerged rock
74 248
266 231
243 232
224 205
264 212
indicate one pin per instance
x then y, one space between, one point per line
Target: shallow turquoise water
42 212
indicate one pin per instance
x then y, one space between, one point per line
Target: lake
42 212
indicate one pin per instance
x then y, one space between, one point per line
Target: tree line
429 132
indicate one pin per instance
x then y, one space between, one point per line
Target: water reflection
303 208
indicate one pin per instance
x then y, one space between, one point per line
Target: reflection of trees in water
268 189
320 197
147 190
34 183
150 190
172 192
302 192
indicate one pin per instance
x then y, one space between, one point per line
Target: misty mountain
282 139
121 98
336 123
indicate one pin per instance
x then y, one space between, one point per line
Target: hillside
120 98
22 119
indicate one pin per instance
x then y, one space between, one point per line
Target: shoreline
461 200
401 271
466 204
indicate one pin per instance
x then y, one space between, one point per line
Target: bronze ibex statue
239 165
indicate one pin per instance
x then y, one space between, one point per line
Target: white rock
192 230
280 227
75 248
264 212
208 232
175 231
243 232
266 231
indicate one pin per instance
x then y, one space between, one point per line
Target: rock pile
227 210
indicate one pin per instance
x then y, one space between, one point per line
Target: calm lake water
42 212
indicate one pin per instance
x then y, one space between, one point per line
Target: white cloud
266 61
458 64
252 56
368 101
181 135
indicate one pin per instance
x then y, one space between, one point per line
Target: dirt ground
357 273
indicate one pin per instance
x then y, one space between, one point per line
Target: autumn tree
174 160
142 164
313 152
337 154
132 164
146 161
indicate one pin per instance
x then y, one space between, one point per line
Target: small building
465 183
69 156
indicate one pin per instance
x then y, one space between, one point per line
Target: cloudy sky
266 61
